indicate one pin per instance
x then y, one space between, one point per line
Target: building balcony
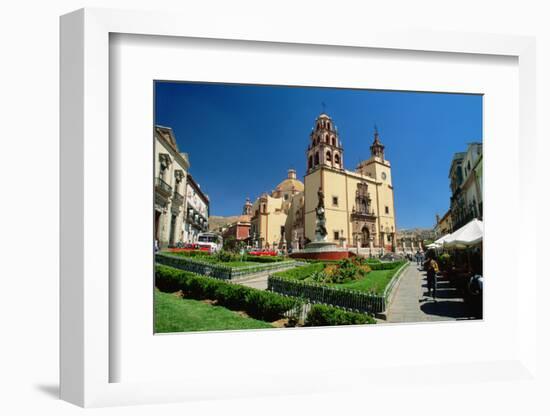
163 188
177 199
363 215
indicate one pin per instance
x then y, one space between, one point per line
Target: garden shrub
258 304
264 259
227 256
344 271
323 315
386 265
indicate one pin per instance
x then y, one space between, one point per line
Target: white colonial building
171 168
181 208
197 211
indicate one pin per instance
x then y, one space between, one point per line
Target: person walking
432 271
417 256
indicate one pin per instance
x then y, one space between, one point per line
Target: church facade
359 204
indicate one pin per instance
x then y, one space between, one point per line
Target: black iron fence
318 293
217 270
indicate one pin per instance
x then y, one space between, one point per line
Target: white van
213 241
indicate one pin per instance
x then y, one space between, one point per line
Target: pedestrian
432 270
417 256
156 245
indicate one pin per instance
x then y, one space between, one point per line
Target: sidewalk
412 304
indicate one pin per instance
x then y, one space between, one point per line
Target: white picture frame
85 212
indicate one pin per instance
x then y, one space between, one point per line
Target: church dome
290 183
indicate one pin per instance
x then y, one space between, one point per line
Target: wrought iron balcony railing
177 199
163 187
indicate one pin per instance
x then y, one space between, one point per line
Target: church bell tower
325 148
377 148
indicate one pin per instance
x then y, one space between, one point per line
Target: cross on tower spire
377 148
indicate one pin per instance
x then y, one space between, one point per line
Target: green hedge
386 266
265 259
202 266
323 315
258 304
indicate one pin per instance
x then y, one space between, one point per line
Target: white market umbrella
466 236
440 241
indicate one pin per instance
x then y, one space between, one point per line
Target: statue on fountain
320 230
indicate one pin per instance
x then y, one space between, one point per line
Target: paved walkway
259 280
412 304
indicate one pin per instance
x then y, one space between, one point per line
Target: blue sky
242 139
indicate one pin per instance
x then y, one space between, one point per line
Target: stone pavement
258 281
412 304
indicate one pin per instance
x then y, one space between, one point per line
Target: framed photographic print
330 245
295 212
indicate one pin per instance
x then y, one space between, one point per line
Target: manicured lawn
301 273
174 314
375 281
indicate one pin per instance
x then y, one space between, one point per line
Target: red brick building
240 230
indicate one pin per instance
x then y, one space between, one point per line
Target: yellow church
359 204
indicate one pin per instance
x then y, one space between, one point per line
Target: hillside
215 222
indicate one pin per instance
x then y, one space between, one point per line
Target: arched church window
329 157
328 125
316 158
333 141
310 162
337 158
326 139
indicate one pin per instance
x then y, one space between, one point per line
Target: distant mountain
215 222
